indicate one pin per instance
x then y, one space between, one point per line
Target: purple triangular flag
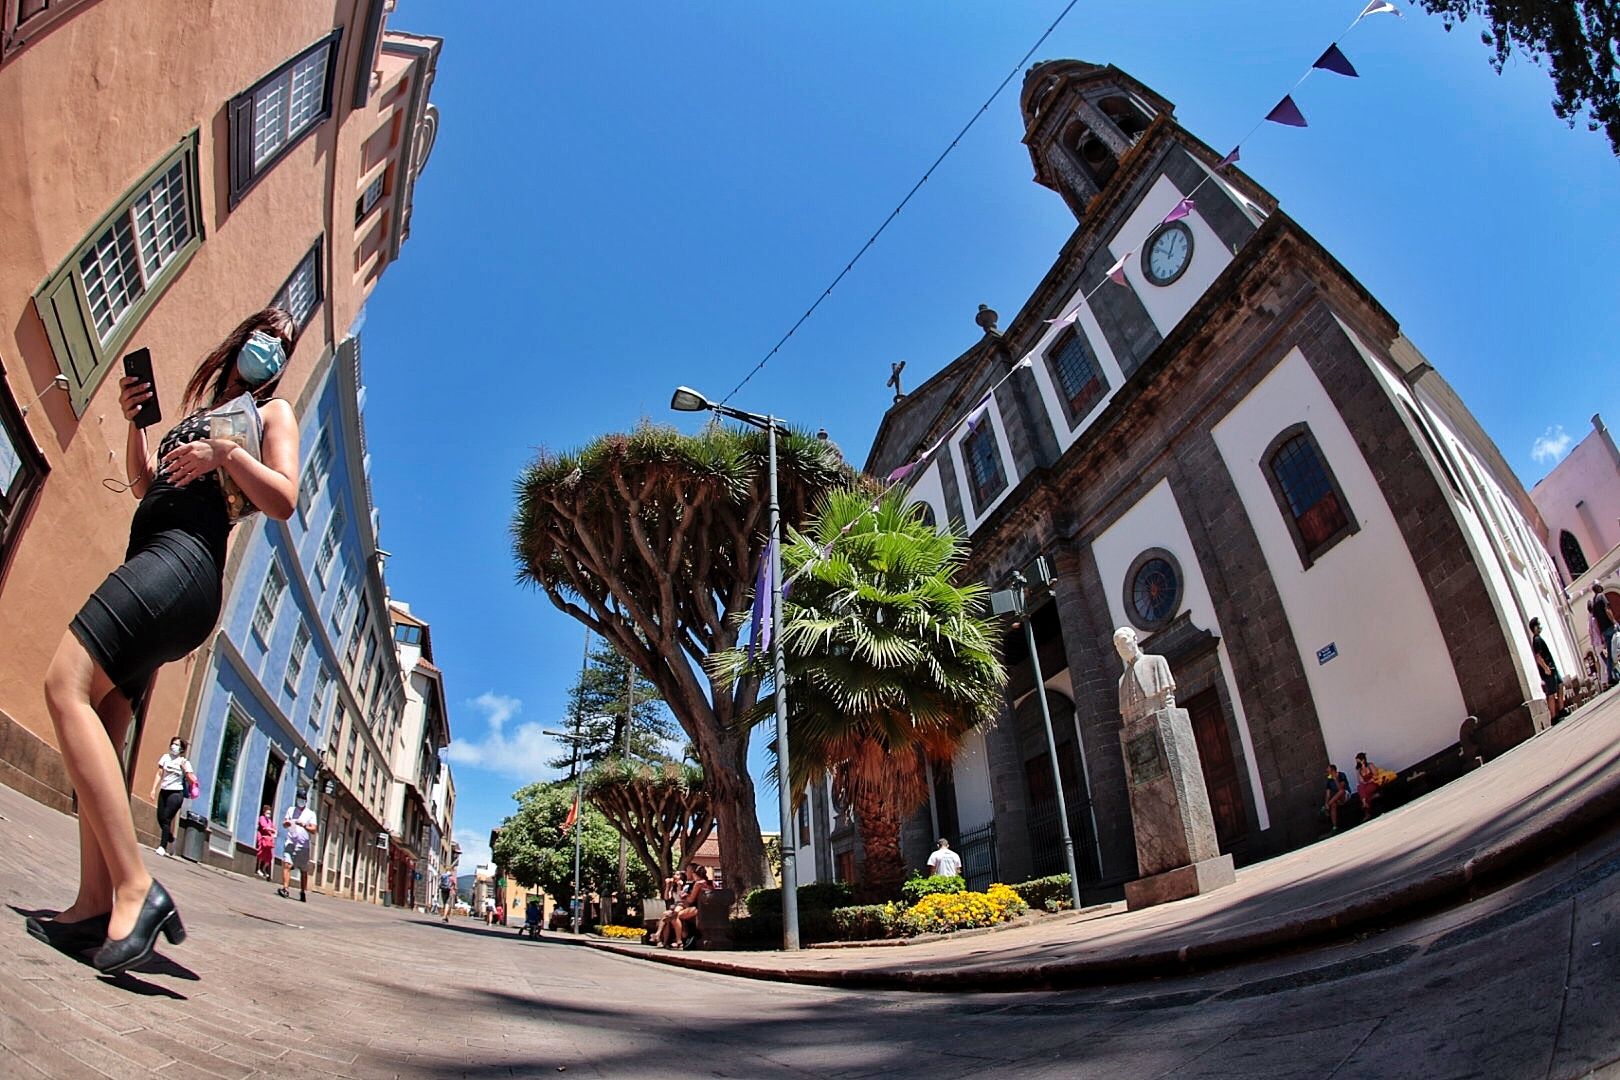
1287 113
759 622
1116 273
1379 7
1229 158
1179 211
978 413
903 471
1335 61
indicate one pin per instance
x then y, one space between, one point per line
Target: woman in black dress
158 606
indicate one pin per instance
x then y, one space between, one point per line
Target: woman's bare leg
95 894
72 683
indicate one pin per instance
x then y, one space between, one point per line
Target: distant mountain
464 884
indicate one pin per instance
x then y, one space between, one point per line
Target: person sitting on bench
686 925
675 892
1337 795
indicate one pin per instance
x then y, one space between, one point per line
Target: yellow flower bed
622 931
945 912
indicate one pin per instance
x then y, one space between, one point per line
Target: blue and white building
300 689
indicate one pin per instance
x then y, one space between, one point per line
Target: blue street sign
1327 652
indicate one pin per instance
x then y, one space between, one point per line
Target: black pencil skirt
158 606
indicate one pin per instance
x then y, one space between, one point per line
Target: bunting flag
573 816
759 621
1287 113
1065 320
1335 61
1179 211
1229 158
905 470
1116 273
1379 7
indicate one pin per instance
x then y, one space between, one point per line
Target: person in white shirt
944 862
174 773
299 821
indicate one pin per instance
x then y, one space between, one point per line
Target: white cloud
520 752
474 849
1551 445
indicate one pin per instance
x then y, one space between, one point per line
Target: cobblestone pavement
1523 982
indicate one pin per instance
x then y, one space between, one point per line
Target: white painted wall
970 773
1156 522
1391 691
1166 304
1582 495
1516 570
972 515
930 489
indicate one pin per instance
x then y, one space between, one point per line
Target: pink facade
1580 502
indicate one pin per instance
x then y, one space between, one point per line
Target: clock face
1168 253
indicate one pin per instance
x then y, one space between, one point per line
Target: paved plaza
1520 981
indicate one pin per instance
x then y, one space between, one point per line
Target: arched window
1574 557
1306 493
1077 373
1130 120
926 512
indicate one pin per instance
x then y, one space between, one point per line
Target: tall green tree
662 809
599 708
1578 39
536 852
890 661
652 539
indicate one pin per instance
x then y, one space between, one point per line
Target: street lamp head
688 400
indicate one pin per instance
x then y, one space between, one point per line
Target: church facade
1237 454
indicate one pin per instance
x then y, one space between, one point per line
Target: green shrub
866 922
817 896
916 887
1039 892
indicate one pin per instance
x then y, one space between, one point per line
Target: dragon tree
652 539
661 808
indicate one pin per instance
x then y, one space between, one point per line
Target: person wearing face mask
159 605
174 777
299 821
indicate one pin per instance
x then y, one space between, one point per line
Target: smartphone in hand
138 364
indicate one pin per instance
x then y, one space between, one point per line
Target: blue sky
627 197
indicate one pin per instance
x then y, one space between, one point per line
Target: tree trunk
884 868
742 850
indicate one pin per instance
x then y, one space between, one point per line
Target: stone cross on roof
894 379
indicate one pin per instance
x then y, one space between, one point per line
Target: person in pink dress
265 845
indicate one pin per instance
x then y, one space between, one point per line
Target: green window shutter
61 307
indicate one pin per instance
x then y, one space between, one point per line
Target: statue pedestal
1176 851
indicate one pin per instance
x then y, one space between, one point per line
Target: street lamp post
579 811
688 400
1016 601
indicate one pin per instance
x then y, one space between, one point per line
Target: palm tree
890 661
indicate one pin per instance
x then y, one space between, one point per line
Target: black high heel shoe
70 937
158 915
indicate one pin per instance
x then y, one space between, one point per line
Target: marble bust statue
1146 685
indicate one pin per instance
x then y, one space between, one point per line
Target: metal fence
978 851
1046 841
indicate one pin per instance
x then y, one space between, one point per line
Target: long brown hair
217 365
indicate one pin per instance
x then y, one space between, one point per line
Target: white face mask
174 748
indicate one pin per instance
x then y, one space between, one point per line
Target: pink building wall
1582 496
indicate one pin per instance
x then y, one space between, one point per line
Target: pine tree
597 706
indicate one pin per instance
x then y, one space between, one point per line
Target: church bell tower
1080 119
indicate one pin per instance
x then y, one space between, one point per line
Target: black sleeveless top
197 509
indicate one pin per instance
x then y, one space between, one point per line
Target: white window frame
295 658
278 112
329 543
265 611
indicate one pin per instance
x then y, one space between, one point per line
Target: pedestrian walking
943 862
1552 684
1608 629
447 892
264 847
299 821
170 788
158 606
